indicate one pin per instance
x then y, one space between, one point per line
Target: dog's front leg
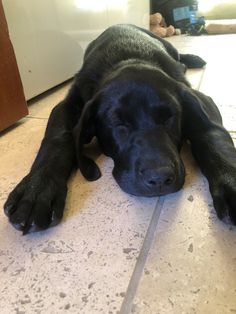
216 156
37 202
214 151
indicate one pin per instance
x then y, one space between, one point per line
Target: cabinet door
129 11
12 101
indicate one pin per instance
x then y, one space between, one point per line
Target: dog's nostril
152 182
141 172
138 141
169 181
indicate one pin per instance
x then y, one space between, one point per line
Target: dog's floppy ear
199 111
83 133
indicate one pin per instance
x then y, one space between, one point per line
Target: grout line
201 79
126 306
37 118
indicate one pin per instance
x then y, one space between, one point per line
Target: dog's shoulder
122 38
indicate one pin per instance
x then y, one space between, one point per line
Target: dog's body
131 93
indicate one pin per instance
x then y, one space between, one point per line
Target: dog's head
136 116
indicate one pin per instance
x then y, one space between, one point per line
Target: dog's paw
192 61
36 203
223 191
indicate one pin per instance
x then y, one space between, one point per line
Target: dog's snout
161 177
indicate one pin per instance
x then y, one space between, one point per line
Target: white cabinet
50 36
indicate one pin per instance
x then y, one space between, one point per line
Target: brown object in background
158 26
12 100
221 27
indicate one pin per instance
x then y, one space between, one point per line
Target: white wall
50 36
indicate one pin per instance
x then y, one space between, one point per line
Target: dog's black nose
161 177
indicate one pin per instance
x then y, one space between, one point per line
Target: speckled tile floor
115 253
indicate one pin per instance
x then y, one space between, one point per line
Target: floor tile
19 145
194 76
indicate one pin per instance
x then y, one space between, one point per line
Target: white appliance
50 36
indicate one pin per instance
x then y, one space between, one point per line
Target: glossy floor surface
116 253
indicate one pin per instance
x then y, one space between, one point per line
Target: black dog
131 93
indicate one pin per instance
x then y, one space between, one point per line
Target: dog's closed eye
121 132
163 115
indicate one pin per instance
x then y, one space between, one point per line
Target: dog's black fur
131 93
